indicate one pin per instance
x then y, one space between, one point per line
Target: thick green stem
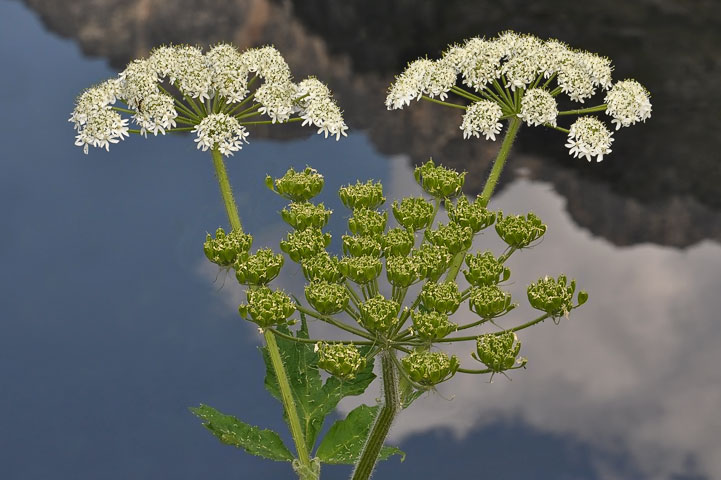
384 420
226 191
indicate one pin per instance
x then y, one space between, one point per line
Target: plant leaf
231 431
345 439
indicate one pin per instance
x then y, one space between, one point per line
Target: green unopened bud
302 215
490 301
304 244
267 307
401 271
378 314
343 361
519 231
438 181
357 246
441 297
398 242
429 368
414 213
473 215
499 351
485 269
224 249
297 186
432 326
362 195
452 236
327 298
361 270
259 268
368 222
321 267
432 260
552 296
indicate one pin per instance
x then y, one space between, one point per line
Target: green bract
441 297
368 222
361 270
452 236
378 314
432 326
473 215
267 307
485 269
432 260
358 246
489 301
439 181
304 244
343 361
259 268
498 351
414 213
552 296
401 271
327 298
362 195
224 249
297 186
397 241
519 231
301 215
429 368
321 267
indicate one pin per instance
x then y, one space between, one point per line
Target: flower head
628 102
482 118
538 107
589 138
221 131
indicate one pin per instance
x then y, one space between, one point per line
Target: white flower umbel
220 131
410 85
229 72
538 107
523 63
267 63
192 74
102 128
277 100
94 99
628 102
479 62
137 81
482 118
318 108
589 138
156 114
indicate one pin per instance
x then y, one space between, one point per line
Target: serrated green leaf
254 440
345 439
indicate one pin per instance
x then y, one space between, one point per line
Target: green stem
270 122
597 108
313 340
447 104
230 207
384 420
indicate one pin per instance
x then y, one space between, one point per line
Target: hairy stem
230 207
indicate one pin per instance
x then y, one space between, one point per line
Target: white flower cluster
207 84
628 102
482 117
538 107
589 138
221 131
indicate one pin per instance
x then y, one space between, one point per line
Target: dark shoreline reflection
662 183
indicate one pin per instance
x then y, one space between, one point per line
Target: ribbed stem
225 190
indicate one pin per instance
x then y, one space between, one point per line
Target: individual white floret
628 102
589 138
277 100
220 131
102 128
191 74
93 99
137 81
538 107
480 62
318 108
482 118
229 72
267 63
156 114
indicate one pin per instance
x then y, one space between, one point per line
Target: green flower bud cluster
413 213
259 268
398 242
432 260
343 361
322 267
304 244
554 297
489 301
452 236
441 297
225 249
429 368
368 222
401 271
362 195
358 246
438 181
267 307
499 351
327 298
361 270
297 186
473 215
519 231
432 326
485 269
378 314
302 215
